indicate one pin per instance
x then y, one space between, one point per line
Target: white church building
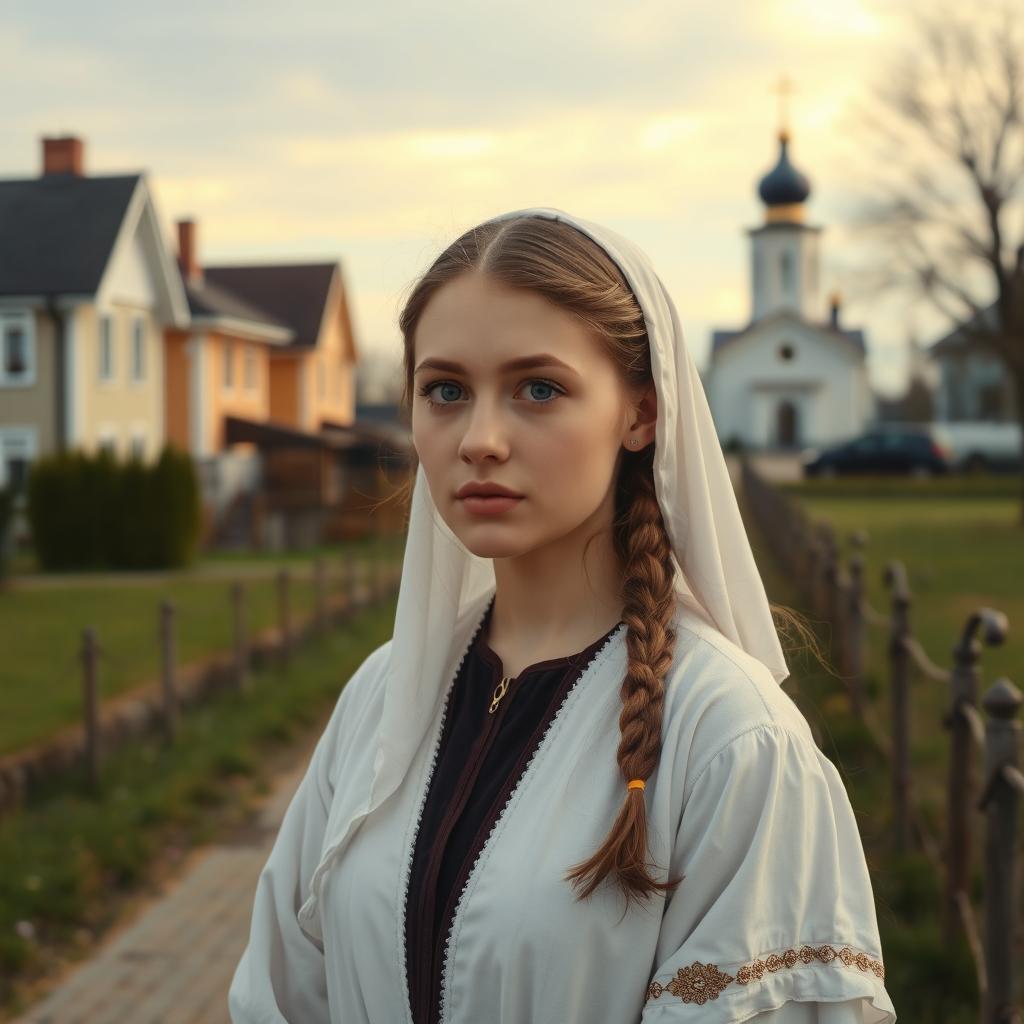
792 377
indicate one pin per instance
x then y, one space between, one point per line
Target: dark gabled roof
959 336
206 299
856 336
57 231
296 293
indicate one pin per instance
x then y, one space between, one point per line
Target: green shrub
93 512
6 519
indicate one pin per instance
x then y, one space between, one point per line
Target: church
793 377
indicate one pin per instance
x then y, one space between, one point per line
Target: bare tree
949 116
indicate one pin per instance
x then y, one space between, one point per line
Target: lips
479 490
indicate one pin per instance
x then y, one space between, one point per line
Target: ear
642 419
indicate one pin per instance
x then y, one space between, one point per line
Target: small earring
633 440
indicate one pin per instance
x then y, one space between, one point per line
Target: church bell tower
784 250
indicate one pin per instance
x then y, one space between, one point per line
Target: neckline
484 650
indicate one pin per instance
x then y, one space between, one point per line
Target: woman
570 788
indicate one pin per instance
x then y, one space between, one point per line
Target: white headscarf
442 579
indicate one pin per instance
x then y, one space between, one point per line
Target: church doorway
786 425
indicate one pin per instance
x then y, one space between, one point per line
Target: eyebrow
522 363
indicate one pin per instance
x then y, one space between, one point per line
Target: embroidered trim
698 983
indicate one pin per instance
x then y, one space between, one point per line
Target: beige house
87 288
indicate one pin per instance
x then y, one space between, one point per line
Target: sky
373 134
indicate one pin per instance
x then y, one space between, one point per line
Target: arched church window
786 270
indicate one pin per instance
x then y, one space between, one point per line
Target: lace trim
699 983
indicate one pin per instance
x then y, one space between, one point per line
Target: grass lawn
70 861
41 630
961 553
929 982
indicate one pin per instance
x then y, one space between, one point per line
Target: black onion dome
784 184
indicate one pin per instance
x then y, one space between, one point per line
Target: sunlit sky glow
374 135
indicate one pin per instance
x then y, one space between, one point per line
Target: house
312 377
107 341
87 288
318 468
973 381
789 378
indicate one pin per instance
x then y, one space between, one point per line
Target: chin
491 547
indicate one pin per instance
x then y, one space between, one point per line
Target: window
250 366
139 349
229 364
17 450
14 350
993 405
108 439
786 271
17 358
106 347
786 351
138 447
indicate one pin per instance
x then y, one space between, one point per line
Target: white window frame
138 353
107 433
25 437
25 319
107 318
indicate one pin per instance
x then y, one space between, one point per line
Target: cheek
574 464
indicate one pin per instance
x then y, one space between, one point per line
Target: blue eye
427 389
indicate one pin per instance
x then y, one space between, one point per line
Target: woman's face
550 432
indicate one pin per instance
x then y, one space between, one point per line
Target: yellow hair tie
636 784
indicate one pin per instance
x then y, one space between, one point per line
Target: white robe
774 920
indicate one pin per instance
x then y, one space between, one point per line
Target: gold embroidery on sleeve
699 982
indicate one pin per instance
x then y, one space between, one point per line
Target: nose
485 435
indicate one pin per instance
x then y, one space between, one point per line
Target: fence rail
107 725
834 592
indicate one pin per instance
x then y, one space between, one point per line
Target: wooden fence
338 593
834 592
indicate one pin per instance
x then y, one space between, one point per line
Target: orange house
219 365
312 377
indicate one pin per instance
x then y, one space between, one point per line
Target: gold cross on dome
784 86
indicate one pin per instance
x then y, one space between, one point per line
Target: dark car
912 450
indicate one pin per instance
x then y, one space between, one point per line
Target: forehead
477 319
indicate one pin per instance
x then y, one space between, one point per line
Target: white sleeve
774 920
281 977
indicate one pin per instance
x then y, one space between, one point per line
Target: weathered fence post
349 579
856 634
320 595
168 668
1001 802
966 735
91 707
814 554
831 592
899 676
241 642
283 616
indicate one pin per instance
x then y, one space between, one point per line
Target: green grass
69 854
961 552
960 555
928 982
41 633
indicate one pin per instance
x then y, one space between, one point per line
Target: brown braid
649 595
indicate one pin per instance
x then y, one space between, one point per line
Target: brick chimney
187 258
63 155
835 301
